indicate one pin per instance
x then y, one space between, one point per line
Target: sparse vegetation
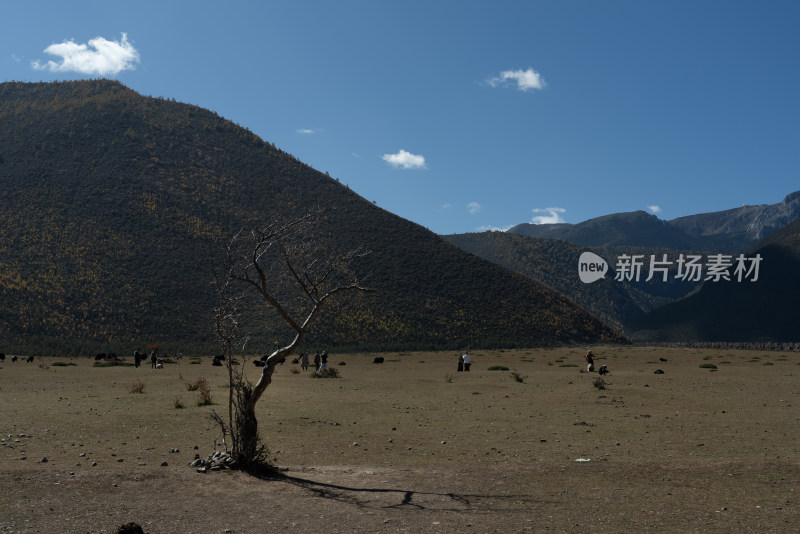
600 383
198 384
137 387
497 368
328 372
708 366
517 376
204 395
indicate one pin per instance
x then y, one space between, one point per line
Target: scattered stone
94 464
164 464
217 460
44 460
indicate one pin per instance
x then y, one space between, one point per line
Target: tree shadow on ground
398 498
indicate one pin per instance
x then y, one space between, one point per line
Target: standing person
466 359
590 362
324 360
316 361
304 360
153 359
137 357
460 363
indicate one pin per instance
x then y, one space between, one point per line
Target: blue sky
465 116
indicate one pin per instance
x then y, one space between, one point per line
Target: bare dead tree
294 275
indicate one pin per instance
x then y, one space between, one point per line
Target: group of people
155 361
320 361
464 362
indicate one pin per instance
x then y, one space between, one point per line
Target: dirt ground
710 445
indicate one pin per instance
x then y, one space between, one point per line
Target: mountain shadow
764 310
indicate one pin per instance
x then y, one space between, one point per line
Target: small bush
63 364
137 387
197 385
708 366
328 372
600 383
448 378
498 368
517 376
568 365
178 403
204 395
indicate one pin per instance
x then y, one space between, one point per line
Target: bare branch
294 275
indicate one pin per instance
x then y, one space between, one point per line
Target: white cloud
654 209
306 131
525 80
99 57
447 206
493 228
553 216
405 160
473 208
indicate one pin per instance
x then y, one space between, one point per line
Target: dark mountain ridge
112 205
764 309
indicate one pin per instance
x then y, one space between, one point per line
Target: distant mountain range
763 310
735 229
112 205
678 309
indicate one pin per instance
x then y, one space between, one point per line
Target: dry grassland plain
412 445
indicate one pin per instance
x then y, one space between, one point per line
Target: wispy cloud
552 216
525 80
308 131
654 209
99 57
473 208
404 159
447 205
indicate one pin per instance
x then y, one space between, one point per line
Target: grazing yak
2 356
378 359
30 359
